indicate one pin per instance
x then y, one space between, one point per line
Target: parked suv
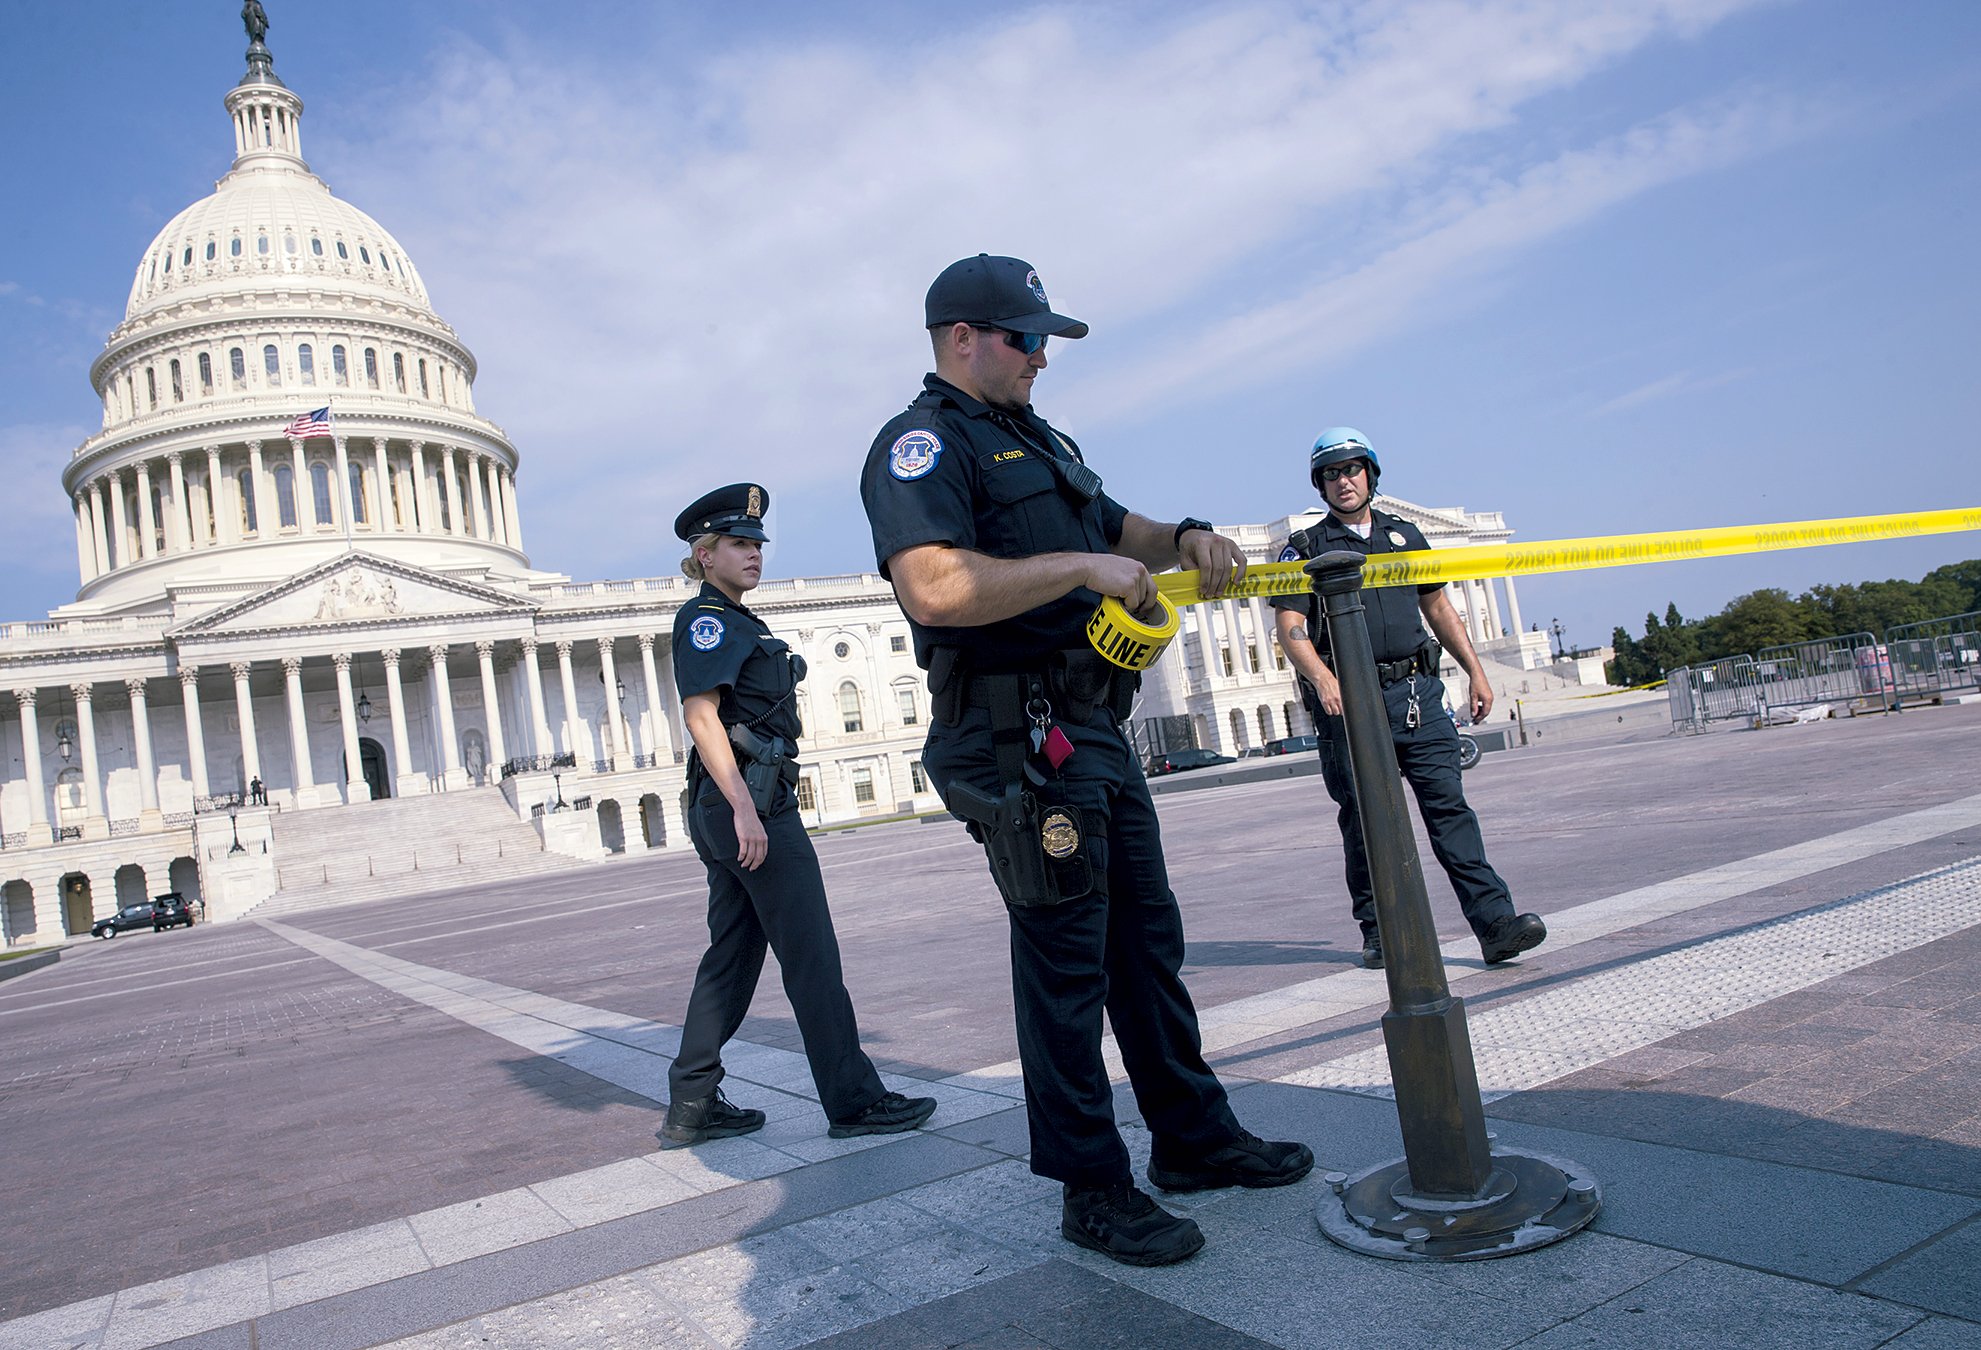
1292 745
130 916
170 910
1176 761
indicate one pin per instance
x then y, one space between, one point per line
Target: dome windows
423 388
399 370
168 262
211 249
261 244
358 514
339 370
244 486
371 366
187 261
285 496
151 387
320 491
343 252
205 375
364 255
271 364
237 366
306 363
178 384
234 247
316 246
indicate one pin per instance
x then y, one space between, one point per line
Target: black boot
1372 952
1508 936
698 1119
1124 1223
892 1114
1247 1161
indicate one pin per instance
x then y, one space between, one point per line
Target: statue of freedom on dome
255 19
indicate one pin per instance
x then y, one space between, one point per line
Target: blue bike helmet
1338 444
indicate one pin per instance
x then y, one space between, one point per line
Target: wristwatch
1190 523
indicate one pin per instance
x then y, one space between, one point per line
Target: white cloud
1682 382
658 272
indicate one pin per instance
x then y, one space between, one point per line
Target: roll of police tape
1425 567
1126 640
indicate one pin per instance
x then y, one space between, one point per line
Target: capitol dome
253 310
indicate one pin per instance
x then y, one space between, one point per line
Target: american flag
316 423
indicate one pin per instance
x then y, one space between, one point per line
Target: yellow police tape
1126 640
1477 561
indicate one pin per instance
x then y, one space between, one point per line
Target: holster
765 764
1021 838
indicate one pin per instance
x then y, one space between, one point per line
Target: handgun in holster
765 763
1012 830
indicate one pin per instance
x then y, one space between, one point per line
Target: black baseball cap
1003 292
737 509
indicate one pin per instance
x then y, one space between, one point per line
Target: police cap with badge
734 510
1002 292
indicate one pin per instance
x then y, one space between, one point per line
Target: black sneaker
1122 1222
699 1119
1372 953
892 1114
1247 1161
1511 935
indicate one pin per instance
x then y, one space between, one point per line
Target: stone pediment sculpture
356 589
357 594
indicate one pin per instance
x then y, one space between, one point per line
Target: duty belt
1077 682
1389 672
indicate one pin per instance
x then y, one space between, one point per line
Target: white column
509 509
1493 608
178 520
31 762
382 475
570 699
472 516
263 498
660 736
120 522
85 549
498 753
395 699
1481 616
340 488
95 826
539 718
456 522
1237 632
147 766
355 787
244 710
195 732
299 489
147 522
422 510
1513 608
1263 627
100 525
498 514
453 775
622 752
225 529
299 732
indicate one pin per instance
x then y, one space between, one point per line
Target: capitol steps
401 846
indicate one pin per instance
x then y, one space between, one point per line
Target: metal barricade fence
1716 691
1936 657
1850 669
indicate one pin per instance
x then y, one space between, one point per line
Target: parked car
130 916
1293 745
1179 761
170 910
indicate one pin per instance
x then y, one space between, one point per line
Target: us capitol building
347 617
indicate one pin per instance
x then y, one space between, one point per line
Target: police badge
1058 834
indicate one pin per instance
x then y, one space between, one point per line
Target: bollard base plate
1529 1201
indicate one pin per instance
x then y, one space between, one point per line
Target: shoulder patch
913 454
1289 553
705 633
1396 538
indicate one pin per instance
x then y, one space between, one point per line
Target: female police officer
738 685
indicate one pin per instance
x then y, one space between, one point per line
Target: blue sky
1604 268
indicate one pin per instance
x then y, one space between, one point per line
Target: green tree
1759 619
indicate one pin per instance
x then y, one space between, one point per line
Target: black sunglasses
1354 468
1024 342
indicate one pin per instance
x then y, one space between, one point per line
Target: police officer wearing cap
1344 469
1000 542
738 688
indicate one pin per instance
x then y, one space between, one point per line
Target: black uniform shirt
719 644
1396 627
952 470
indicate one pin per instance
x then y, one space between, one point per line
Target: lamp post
234 820
1556 629
558 779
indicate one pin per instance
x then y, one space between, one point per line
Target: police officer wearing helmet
1344 469
1000 542
738 688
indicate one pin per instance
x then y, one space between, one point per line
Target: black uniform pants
1427 757
782 904
1117 949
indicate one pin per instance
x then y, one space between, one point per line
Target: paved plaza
430 1122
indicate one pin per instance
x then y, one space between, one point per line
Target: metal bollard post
1452 1196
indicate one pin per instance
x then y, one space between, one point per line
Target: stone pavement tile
619 1314
1576 1274
76 1326
1705 1303
1938 1333
770 1291
721 1163
184 1304
859 1230
613 1191
1121 1318
1775 1217
941 1263
477 1227
971 1196
1944 1276
1006 1131
334 1265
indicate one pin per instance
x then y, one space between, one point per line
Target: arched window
849 706
245 482
261 244
306 363
371 366
157 518
237 366
205 374
1265 723
399 370
1237 730
1286 711
364 255
151 386
443 381
320 491
178 384
187 261
168 262
343 252
234 247
423 388
904 698
339 370
210 250
316 246
359 516
271 364
285 496
289 244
